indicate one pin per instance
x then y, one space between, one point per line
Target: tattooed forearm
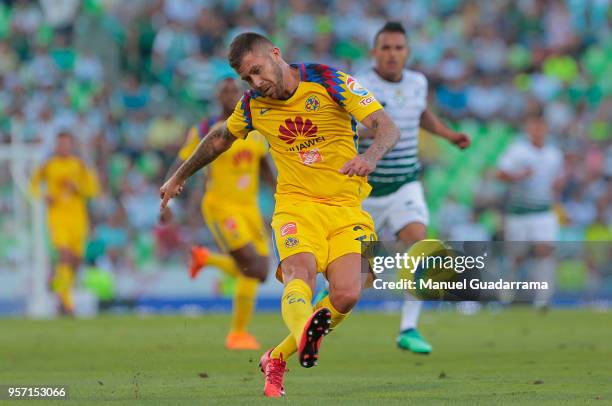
217 141
386 134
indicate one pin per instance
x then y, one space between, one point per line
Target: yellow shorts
327 232
236 226
68 233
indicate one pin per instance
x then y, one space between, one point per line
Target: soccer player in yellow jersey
69 183
308 114
230 209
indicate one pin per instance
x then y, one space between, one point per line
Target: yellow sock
244 303
285 349
225 263
288 346
336 316
296 307
62 284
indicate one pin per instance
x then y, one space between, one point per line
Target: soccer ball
435 264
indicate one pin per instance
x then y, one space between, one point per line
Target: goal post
29 265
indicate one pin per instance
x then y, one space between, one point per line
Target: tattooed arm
385 133
217 141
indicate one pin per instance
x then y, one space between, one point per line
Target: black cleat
317 327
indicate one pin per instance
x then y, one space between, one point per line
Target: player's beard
279 83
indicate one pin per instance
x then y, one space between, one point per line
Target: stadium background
128 78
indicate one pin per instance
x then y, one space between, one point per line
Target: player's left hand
359 166
461 140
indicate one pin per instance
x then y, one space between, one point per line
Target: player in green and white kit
397 203
533 170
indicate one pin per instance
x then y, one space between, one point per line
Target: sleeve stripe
326 76
246 109
302 72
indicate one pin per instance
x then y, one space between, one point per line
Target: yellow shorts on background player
233 227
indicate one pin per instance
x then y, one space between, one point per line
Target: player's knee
297 271
344 299
412 233
257 270
65 256
251 264
258 274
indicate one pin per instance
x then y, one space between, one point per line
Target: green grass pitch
513 357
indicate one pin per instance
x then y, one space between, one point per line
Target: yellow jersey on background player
69 184
230 202
233 178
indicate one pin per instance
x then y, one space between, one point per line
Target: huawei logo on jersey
294 128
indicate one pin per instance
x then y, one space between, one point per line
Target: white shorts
542 226
393 212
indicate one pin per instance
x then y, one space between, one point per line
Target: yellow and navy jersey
312 134
69 184
232 178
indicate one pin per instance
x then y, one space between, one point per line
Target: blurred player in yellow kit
231 211
69 183
308 114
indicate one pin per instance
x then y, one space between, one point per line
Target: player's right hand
172 188
358 166
70 186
